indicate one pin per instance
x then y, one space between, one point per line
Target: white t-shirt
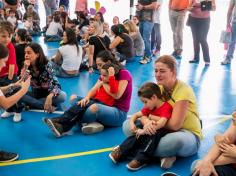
12 20
54 28
71 57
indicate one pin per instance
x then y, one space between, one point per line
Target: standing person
6 102
142 145
111 116
81 5
156 30
8 73
177 12
65 3
50 6
145 10
221 159
46 91
231 22
199 21
75 113
184 121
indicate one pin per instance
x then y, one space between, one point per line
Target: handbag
226 35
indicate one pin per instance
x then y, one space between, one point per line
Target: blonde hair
130 26
98 27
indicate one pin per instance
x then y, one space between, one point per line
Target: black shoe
193 61
56 128
7 156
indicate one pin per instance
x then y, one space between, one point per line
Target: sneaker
169 174
7 156
56 128
17 117
115 155
156 52
226 61
92 128
193 61
135 165
6 114
167 162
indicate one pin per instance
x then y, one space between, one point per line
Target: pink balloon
102 10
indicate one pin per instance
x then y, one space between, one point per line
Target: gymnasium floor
42 154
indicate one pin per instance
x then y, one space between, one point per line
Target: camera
206 5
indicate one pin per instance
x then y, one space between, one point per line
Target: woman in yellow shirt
185 123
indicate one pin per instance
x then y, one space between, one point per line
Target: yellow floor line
56 157
225 118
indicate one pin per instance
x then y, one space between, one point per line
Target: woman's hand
91 70
111 71
133 127
228 150
150 128
48 104
140 132
24 84
84 101
204 168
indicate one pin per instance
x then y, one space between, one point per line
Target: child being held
142 145
62 124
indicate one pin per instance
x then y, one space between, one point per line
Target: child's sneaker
17 117
6 114
56 128
115 155
135 165
169 174
91 128
167 162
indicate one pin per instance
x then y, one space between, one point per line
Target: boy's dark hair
11 2
6 26
149 89
117 68
3 51
56 18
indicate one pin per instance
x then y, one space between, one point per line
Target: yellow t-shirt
182 91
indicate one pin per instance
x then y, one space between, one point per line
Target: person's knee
126 128
93 108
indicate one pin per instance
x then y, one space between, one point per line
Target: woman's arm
91 53
178 115
57 57
115 42
213 5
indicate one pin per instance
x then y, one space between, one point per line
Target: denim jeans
60 72
156 37
31 100
231 48
145 28
181 143
177 24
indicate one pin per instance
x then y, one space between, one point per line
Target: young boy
8 74
142 145
62 124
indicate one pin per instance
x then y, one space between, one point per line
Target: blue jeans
106 115
181 143
60 72
231 48
145 28
38 103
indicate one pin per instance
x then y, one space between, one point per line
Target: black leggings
226 170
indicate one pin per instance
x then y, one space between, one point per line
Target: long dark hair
119 29
71 38
23 35
42 60
106 56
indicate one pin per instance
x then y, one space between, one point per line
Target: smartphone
26 75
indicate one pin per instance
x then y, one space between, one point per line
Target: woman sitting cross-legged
46 90
67 61
90 109
184 121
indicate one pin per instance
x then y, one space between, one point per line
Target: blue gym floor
87 155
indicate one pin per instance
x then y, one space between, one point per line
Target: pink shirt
197 12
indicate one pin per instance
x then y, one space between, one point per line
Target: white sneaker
167 162
6 114
91 128
17 117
